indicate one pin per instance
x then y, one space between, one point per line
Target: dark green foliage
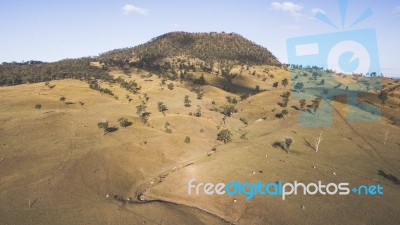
93 84
208 47
285 82
200 81
38 106
103 125
21 73
161 107
224 135
187 101
142 113
228 109
170 86
131 86
187 139
298 86
275 84
231 100
198 111
285 144
123 122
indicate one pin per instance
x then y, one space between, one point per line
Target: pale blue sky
52 30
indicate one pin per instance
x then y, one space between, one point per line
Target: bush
187 139
123 122
38 106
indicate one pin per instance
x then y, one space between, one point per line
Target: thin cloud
131 9
289 7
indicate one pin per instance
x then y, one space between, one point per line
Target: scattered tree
161 107
228 109
187 101
225 136
298 86
167 127
285 82
383 96
123 122
198 111
170 86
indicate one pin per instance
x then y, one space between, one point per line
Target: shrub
187 139
123 122
38 106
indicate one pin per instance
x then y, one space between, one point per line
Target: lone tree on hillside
142 113
225 136
285 82
103 125
383 96
275 84
187 101
161 107
228 109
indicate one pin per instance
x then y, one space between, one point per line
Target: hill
206 48
117 144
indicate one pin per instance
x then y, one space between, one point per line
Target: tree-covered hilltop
21 73
166 55
207 48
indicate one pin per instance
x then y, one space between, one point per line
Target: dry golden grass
57 167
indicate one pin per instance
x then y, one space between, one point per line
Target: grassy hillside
57 165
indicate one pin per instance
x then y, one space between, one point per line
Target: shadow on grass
390 177
111 129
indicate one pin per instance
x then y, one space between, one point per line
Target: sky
53 30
